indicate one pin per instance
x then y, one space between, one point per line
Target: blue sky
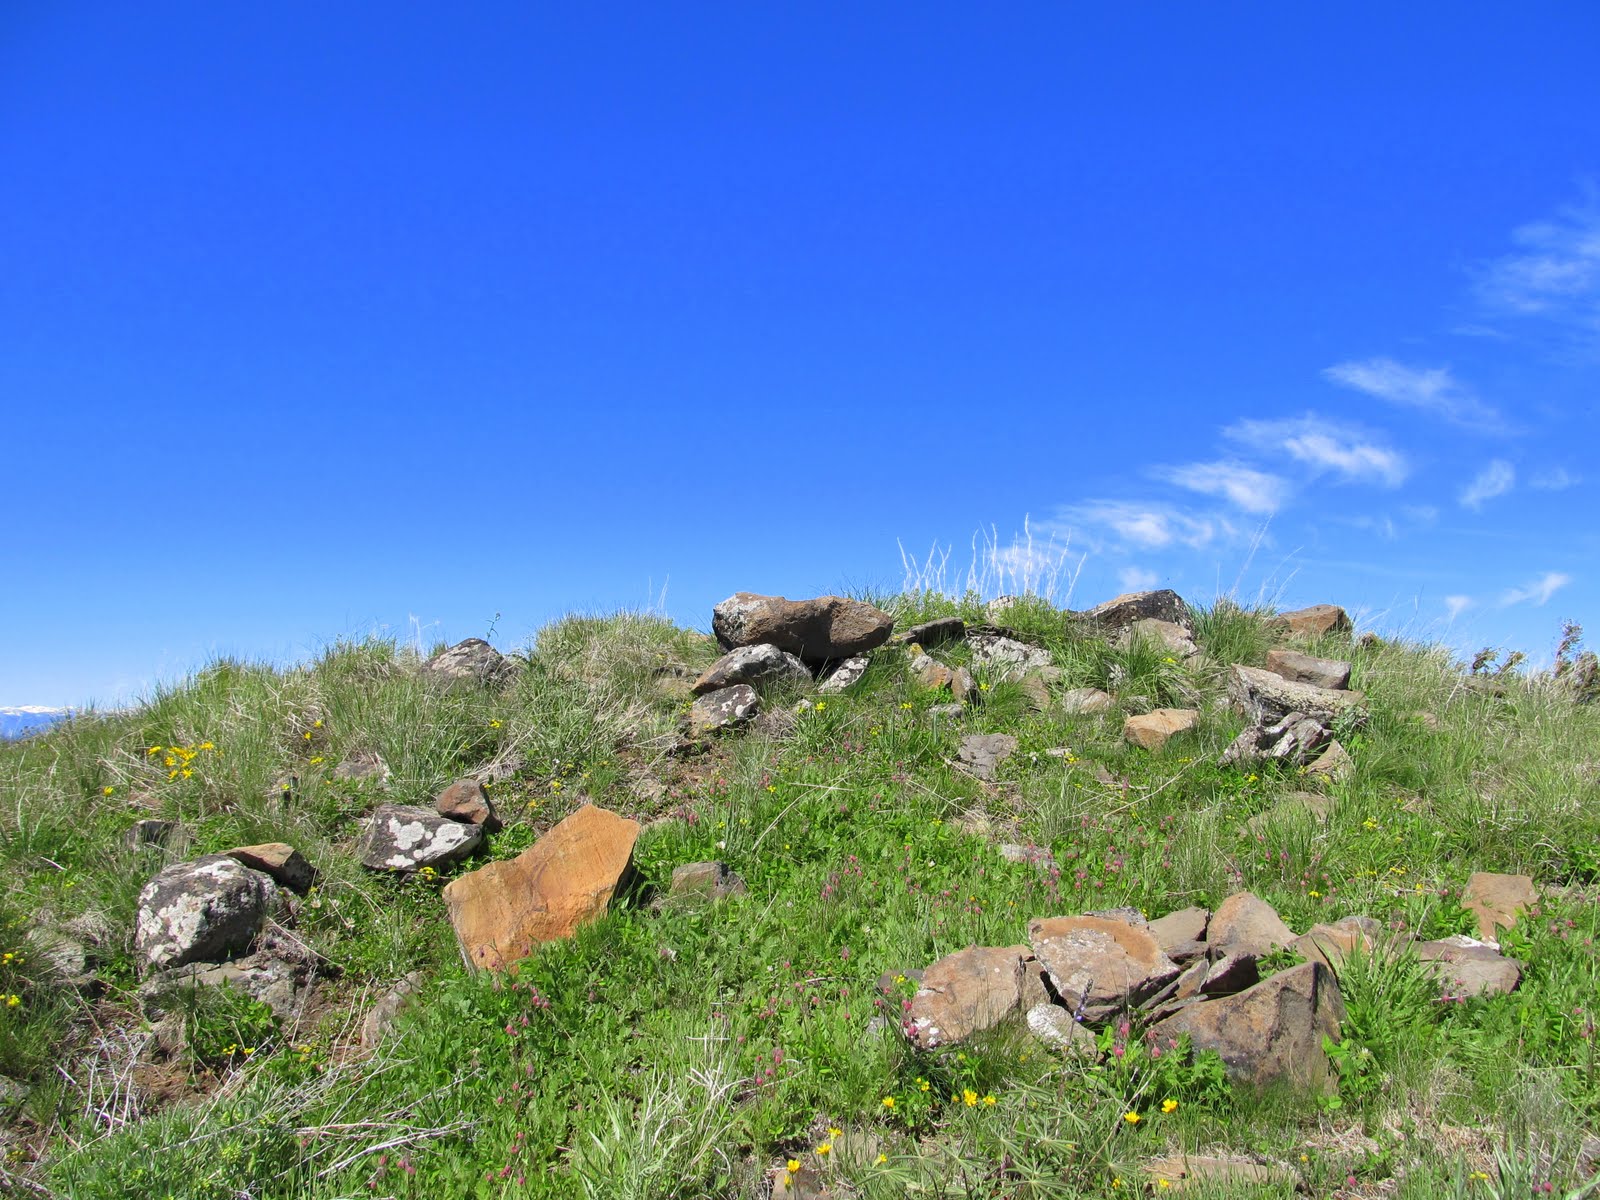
314 323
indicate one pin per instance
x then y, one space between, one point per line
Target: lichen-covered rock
398 837
1085 700
1266 698
1124 610
724 708
202 911
823 629
1006 658
845 675
471 661
760 666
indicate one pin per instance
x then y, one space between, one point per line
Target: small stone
707 880
1190 980
726 708
1331 944
946 711
847 674
1295 806
1054 1026
1181 1173
151 832
1038 856
1469 969
363 766
1005 658
401 838
1037 693
982 753
1085 700
1303 668
287 866
466 801
1152 730
760 666
381 1017
1498 900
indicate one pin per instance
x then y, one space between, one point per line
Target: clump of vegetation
700 1050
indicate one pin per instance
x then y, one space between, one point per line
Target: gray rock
1124 610
760 666
263 977
982 753
1303 668
151 832
1054 1026
726 708
471 661
946 712
363 766
381 1017
846 674
824 629
1004 657
401 838
707 880
1038 856
1295 806
1266 698
1085 700
1168 635
1297 739
202 911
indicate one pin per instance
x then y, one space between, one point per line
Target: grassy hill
680 1049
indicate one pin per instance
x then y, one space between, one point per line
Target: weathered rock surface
1332 944
1498 900
819 630
935 632
1124 610
276 982
363 766
1465 968
397 837
706 880
982 753
1181 934
1271 1033
1246 924
287 866
1178 1173
1085 700
1313 622
846 674
1098 965
1303 668
1296 739
964 993
1266 698
725 708
202 911
1006 658
1333 763
471 661
151 832
931 673
1151 730
1054 1026
1295 806
760 666
466 801
568 877
1169 635
381 1017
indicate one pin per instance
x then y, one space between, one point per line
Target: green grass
683 1050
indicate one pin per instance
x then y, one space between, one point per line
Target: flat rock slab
1270 1034
823 629
1266 698
1181 934
1152 730
1124 610
726 708
286 865
1189 1172
935 632
760 666
1246 924
467 801
1303 668
983 752
1312 622
1498 900
1099 962
503 911
398 837
1470 969
202 911
964 993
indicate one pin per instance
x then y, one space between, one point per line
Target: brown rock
503 911
1170 636
1098 962
1313 622
1152 729
1178 1173
709 880
1470 970
1229 974
823 629
287 866
1181 934
1333 763
1271 1033
1245 924
466 800
964 993
1303 668
1033 686
1332 944
932 633
1497 900
1124 610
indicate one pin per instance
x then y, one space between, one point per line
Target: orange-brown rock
287 866
1152 729
1097 963
1246 924
1497 900
504 911
818 630
466 800
965 992
1314 621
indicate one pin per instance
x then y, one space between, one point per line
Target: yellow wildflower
888 1102
792 1166
107 790
1132 1118
825 1148
969 1096
1168 1106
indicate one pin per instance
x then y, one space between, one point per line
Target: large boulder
1304 668
398 837
759 666
1266 698
725 708
202 911
823 629
503 911
963 993
1271 1033
1151 730
471 661
1098 965
1312 622
1124 610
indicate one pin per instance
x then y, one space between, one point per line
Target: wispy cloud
1496 479
1325 446
1556 479
1137 579
1554 272
1454 606
1427 389
1244 487
1539 591
1151 526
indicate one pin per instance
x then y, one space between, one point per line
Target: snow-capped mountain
29 718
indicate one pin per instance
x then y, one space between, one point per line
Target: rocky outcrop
759 666
398 837
1303 668
1099 965
823 629
1266 698
503 911
202 911
1296 739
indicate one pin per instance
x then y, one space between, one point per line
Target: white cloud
1152 526
1137 579
1557 479
1245 487
1539 591
1429 389
1555 273
1456 605
1325 446
1496 479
